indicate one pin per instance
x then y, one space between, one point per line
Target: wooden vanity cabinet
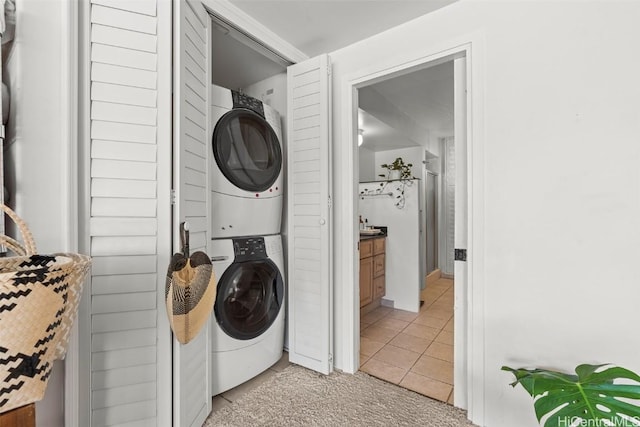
372 269
366 281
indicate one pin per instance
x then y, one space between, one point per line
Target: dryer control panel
249 248
240 100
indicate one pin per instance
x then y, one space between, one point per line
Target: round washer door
249 298
247 150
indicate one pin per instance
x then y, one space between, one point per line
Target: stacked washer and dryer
246 246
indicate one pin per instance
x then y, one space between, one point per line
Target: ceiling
243 64
322 26
378 136
425 97
318 26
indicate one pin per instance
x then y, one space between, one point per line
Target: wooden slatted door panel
309 184
191 362
123 224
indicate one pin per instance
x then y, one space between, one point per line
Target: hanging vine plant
400 198
591 397
396 191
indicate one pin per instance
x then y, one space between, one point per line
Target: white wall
37 122
367 164
560 214
37 160
273 92
402 252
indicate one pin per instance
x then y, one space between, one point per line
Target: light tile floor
413 350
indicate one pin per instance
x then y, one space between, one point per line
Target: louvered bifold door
125 224
309 210
191 362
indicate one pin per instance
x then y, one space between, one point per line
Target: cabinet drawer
366 248
378 265
379 287
378 246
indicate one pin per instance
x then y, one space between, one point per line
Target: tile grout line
440 329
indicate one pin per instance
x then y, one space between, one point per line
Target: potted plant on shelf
397 170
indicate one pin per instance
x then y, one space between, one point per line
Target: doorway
406 334
461 363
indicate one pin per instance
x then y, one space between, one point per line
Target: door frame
236 17
436 176
469 374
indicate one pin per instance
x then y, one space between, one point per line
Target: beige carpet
300 397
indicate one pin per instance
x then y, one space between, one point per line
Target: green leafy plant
398 165
588 398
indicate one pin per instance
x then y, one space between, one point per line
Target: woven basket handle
13 244
29 247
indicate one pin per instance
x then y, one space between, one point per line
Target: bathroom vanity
372 270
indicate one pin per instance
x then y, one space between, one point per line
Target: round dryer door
247 150
249 298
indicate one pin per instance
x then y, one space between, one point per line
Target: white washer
248 323
246 166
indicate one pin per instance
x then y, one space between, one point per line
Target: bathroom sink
370 232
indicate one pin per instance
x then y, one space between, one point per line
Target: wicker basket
39 297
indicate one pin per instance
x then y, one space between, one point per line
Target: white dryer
246 166
248 322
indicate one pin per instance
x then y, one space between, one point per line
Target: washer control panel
249 248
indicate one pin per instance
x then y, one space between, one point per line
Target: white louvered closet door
121 337
191 362
309 210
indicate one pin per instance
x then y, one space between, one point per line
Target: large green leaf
587 396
